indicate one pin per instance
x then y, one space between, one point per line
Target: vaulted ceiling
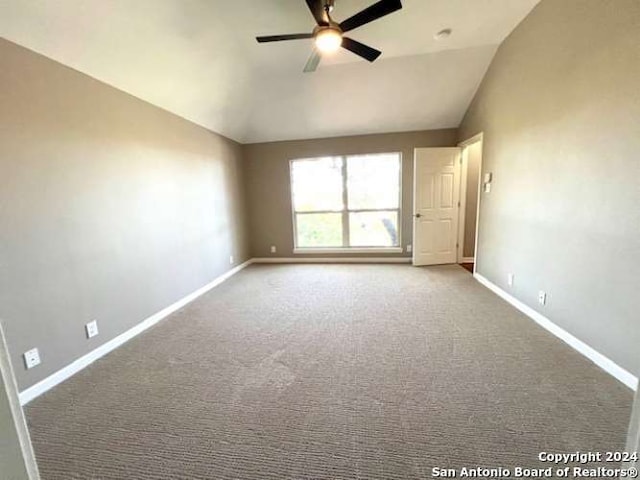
199 59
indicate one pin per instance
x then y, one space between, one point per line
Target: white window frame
346 211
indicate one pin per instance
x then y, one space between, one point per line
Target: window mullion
345 202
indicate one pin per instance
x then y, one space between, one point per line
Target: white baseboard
349 250
61 375
596 357
74 367
467 260
332 260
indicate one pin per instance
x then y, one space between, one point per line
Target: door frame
464 145
9 384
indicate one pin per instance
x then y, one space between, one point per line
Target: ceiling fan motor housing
332 26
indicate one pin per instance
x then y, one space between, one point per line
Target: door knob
417 215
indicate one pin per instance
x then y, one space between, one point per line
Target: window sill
349 250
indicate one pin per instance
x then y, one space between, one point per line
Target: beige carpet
329 372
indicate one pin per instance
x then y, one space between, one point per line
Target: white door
436 177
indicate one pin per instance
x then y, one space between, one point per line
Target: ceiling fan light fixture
328 40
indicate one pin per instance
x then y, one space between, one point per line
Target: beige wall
560 112
110 209
269 192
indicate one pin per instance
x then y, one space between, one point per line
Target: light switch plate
31 358
487 188
92 328
510 279
542 297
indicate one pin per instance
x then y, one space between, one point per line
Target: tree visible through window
346 201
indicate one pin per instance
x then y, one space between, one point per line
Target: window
346 202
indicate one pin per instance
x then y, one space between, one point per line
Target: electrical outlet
231 260
542 297
273 249
409 248
91 328
510 279
31 358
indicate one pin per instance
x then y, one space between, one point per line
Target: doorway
470 189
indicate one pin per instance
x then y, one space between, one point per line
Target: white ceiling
199 59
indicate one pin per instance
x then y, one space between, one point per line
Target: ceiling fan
328 34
